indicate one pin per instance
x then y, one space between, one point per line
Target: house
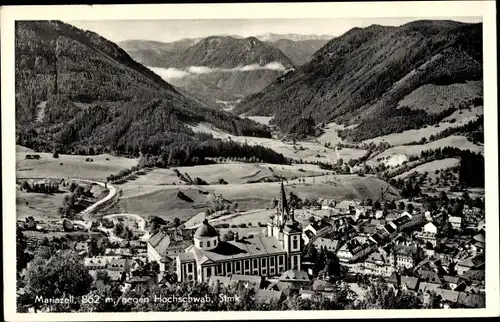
425 287
456 222
306 294
294 275
378 264
393 280
118 264
447 298
286 287
474 275
346 206
95 263
391 216
408 283
426 237
471 300
246 281
429 276
328 204
268 296
481 226
479 241
473 262
353 250
330 245
219 281
322 286
451 281
163 249
126 252
379 214
406 255
430 228
391 229
379 238
313 229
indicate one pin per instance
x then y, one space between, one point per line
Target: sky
172 30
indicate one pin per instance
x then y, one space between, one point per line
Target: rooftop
206 230
256 246
267 295
293 274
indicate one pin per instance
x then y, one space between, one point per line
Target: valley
155 164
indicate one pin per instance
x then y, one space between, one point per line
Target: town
433 257
247 166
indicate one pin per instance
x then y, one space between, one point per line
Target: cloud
169 73
174 73
201 70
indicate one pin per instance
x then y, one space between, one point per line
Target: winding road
141 222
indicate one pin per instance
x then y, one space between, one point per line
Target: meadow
460 117
162 200
456 141
309 151
70 166
431 167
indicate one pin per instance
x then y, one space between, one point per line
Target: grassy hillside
153 200
299 51
454 141
71 166
361 76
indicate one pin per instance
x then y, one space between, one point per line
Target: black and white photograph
162 159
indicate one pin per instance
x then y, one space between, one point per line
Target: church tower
287 230
276 224
292 242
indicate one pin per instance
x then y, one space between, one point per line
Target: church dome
206 230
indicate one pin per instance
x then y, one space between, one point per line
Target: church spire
282 211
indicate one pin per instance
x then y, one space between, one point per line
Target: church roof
206 230
256 246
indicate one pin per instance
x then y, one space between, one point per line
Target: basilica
270 255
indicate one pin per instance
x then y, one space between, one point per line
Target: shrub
183 196
55 155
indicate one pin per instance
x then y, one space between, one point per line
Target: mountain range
217 68
77 91
361 77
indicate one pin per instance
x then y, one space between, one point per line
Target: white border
421 10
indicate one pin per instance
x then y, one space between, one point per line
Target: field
452 141
330 135
261 119
43 206
73 166
431 167
162 200
38 205
437 98
461 117
233 173
307 151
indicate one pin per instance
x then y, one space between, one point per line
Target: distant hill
217 68
272 37
96 98
361 76
229 52
155 53
299 51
